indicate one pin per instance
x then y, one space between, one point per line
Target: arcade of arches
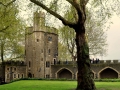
108 73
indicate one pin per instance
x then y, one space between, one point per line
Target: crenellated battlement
39 25
109 61
14 63
74 62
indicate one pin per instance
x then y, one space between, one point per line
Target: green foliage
11 31
96 37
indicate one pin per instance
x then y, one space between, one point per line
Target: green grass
108 85
55 85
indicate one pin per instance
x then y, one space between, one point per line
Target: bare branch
64 21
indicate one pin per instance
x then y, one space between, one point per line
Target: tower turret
39 21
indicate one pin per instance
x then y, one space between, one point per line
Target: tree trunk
2 64
84 78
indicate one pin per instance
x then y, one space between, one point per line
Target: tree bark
84 78
2 64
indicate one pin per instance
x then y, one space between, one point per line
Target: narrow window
14 69
47 76
49 38
49 51
37 40
14 75
22 75
41 50
18 76
47 64
41 59
8 76
8 69
29 64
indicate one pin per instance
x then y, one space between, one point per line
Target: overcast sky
113 40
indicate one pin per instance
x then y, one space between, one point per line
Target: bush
107 80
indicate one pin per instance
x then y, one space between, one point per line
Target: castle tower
39 21
41 48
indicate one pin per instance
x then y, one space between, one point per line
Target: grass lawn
55 85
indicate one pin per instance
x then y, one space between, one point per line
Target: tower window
22 75
37 40
49 51
8 76
47 64
14 69
8 69
14 75
29 64
18 76
41 59
41 50
47 76
49 38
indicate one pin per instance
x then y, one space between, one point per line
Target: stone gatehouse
41 52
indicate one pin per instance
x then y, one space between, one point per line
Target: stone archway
108 73
64 73
29 75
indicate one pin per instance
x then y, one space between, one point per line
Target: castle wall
103 69
14 70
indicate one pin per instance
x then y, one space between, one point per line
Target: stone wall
99 69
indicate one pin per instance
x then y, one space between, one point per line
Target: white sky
113 40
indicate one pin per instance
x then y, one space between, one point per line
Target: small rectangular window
18 76
37 40
49 38
22 75
41 50
41 59
14 69
14 75
8 69
47 76
8 75
29 64
49 51
47 64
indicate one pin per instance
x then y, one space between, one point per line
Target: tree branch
86 1
2 30
8 3
65 22
74 4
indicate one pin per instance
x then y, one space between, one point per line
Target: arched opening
64 73
29 75
108 73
